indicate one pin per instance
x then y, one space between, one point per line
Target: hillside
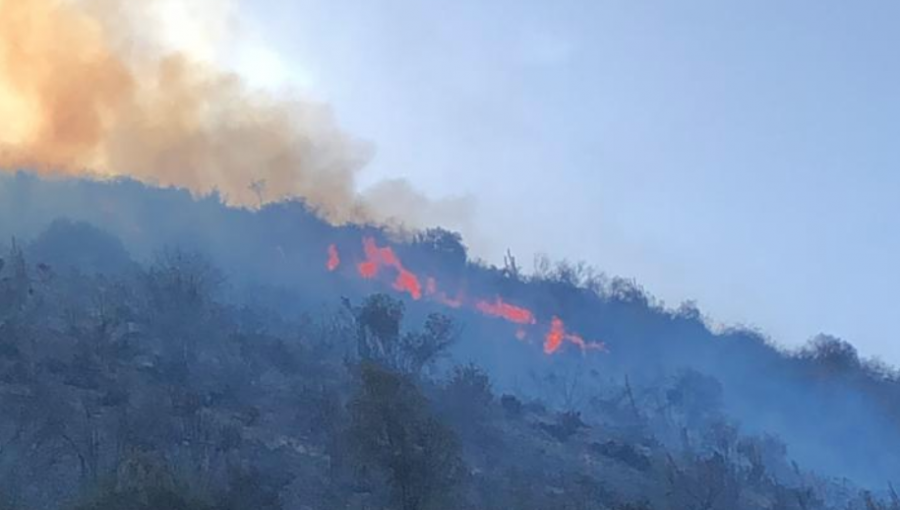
158 349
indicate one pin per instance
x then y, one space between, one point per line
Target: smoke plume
92 87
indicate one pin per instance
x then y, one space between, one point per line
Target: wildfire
506 311
376 258
554 338
407 282
557 335
379 258
334 259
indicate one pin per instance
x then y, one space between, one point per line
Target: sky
742 155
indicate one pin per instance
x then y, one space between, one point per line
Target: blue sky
741 154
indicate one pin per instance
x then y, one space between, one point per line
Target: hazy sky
742 154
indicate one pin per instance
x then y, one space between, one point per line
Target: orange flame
557 335
377 257
406 281
506 311
334 259
554 338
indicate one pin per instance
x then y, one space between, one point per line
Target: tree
249 487
143 483
180 279
873 504
565 388
378 326
832 355
180 288
392 434
466 398
379 338
420 349
444 245
694 402
66 244
15 283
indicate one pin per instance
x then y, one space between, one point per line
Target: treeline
129 386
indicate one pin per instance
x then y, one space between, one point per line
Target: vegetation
393 436
173 383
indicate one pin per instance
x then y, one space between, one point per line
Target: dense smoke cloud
111 87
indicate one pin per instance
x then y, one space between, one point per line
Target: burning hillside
381 263
147 146
282 259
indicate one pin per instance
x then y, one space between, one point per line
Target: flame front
557 335
554 338
379 258
506 311
376 258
